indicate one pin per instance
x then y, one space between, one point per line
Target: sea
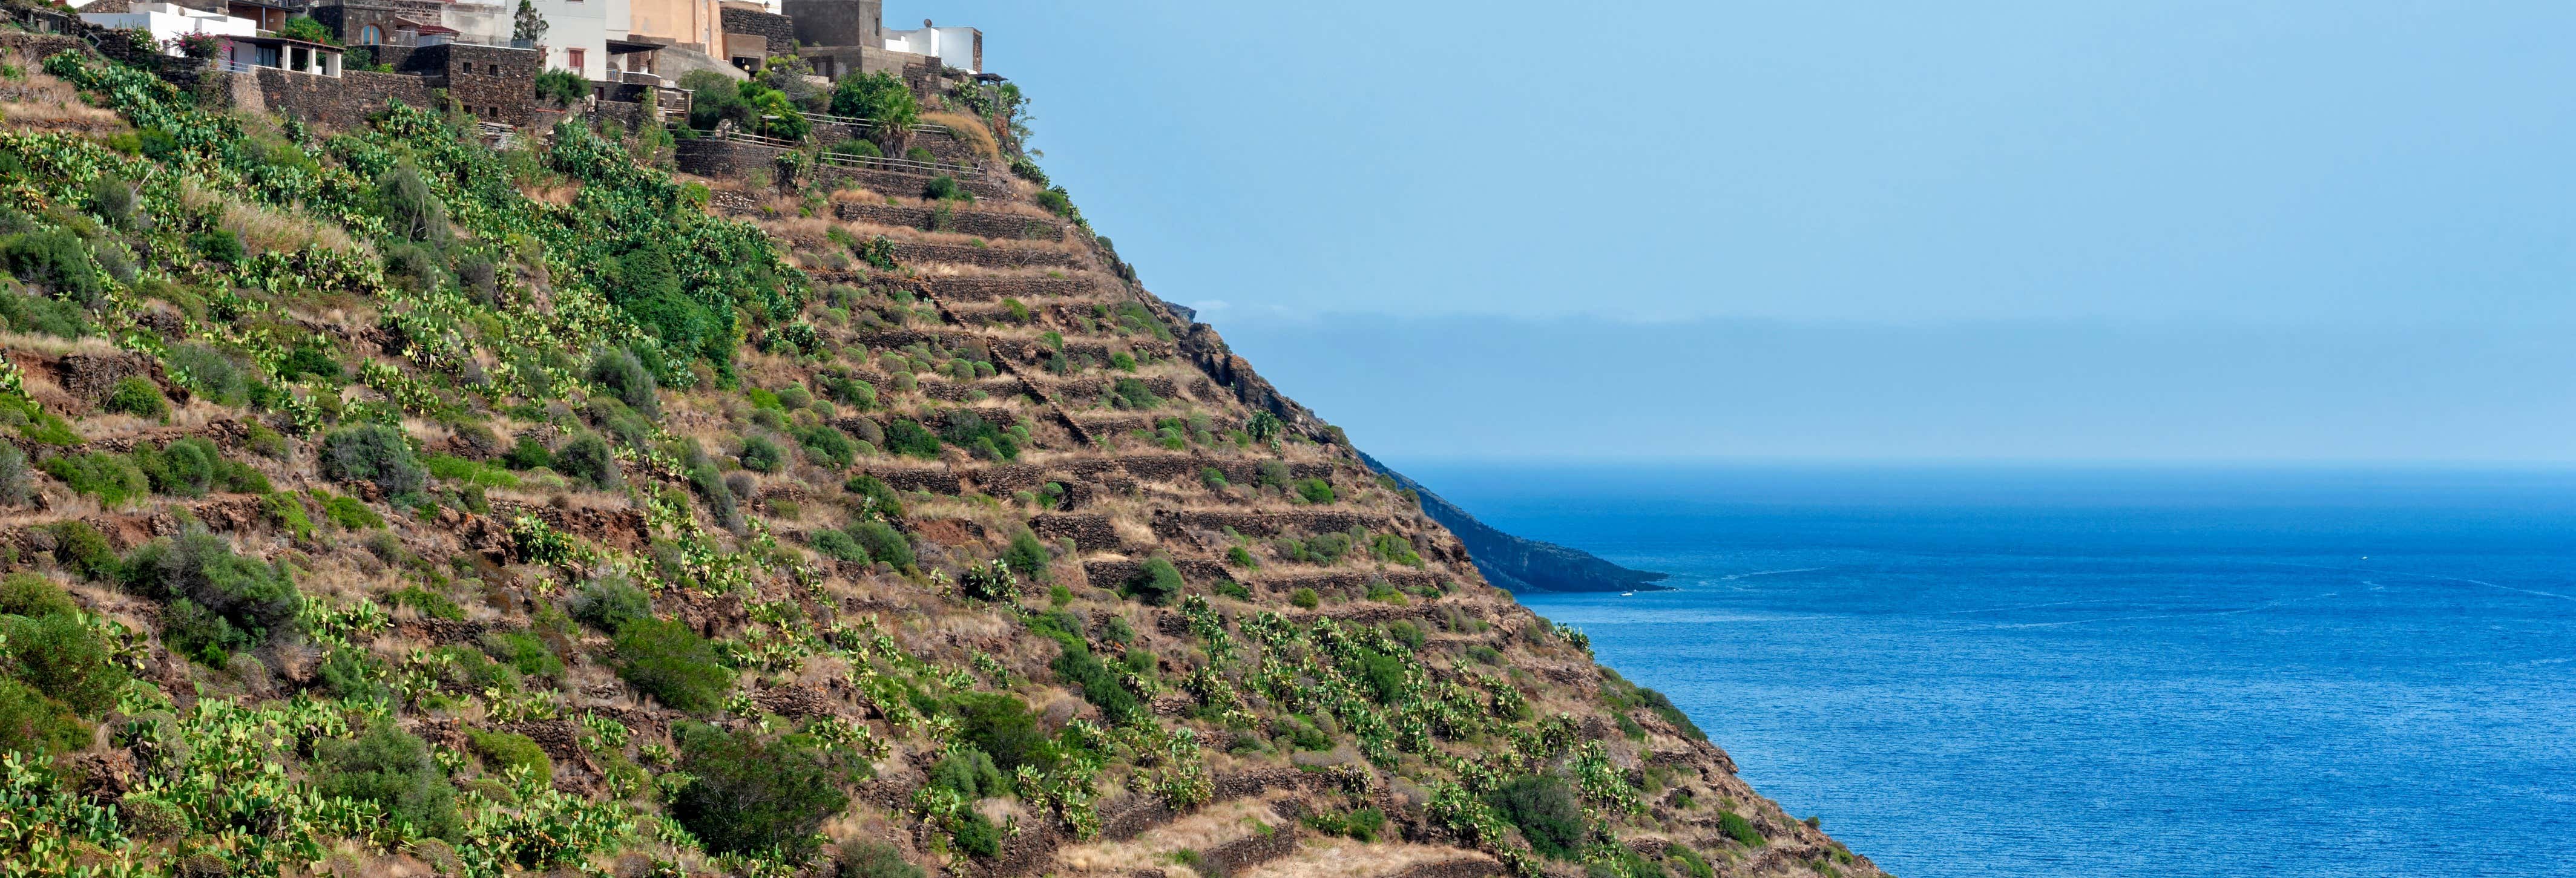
2102 671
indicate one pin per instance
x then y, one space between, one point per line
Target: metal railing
962 172
231 66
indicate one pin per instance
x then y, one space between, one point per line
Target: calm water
2100 673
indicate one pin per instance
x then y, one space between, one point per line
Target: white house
959 47
170 21
577 35
244 53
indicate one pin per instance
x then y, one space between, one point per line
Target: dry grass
1340 858
54 345
970 131
38 100
1209 827
264 229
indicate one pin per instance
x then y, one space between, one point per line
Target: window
370 35
496 68
575 56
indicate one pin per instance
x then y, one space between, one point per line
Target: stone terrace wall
727 159
344 103
910 252
981 223
987 289
907 184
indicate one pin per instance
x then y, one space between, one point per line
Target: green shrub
565 88
55 258
761 455
1156 582
1079 669
909 438
1305 598
1485 654
946 188
673 664
1692 864
82 550
1740 829
428 603
354 675
1002 726
33 596
185 468
609 604
227 602
624 375
586 458
527 454
879 97
43 316
350 512
59 656
1235 590
748 795
138 397
1130 393
864 858
392 768
825 445
876 494
503 751
373 453
839 546
883 543
112 478
1363 824
219 246
971 774
1026 556
522 652
310 358
1315 490
31 723
210 374
985 439
1241 557
976 836
452 467
409 207
1543 806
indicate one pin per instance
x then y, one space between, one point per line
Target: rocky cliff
380 501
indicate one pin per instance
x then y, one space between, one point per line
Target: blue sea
2100 672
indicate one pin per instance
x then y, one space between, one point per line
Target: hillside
1518 563
384 501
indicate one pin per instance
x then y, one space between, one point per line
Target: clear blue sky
2292 232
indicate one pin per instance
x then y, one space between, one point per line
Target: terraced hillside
380 502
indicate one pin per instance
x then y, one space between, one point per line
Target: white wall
954 46
166 22
487 23
577 24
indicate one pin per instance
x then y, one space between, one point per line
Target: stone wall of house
341 103
494 83
778 29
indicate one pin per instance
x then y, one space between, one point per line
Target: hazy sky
2301 230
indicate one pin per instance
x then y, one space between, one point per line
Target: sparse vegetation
442 469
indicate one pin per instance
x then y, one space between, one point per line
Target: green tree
749 795
527 24
668 661
392 768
